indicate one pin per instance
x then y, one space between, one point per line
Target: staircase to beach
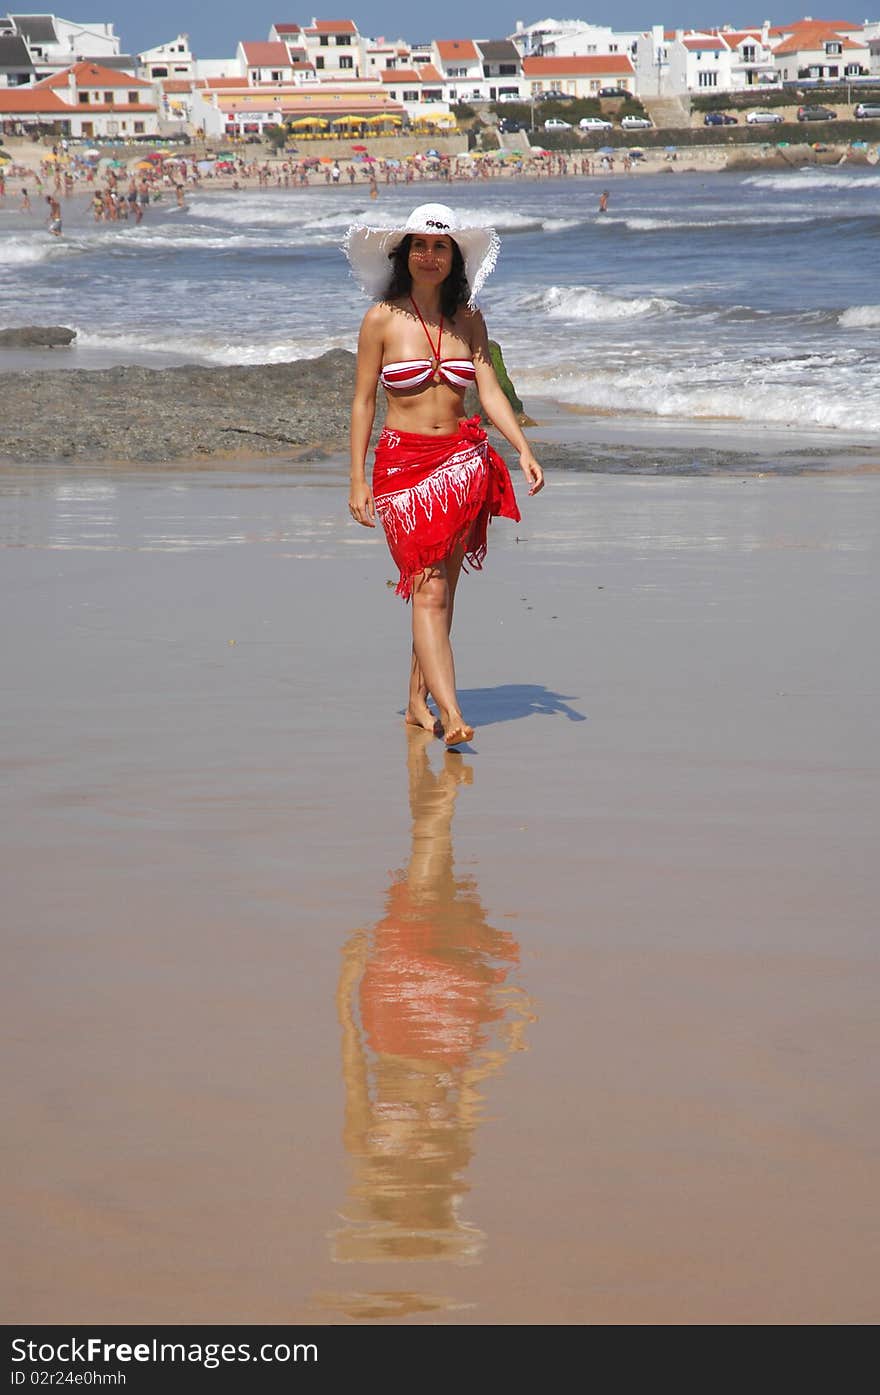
668 113
514 140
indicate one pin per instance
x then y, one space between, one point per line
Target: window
833 70
182 68
158 72
342 40
612 48
275 75
346 61
108 98
133 98
708 80
749 53
83 99
325 41
412 96
832 47
507 70
319 61
139 128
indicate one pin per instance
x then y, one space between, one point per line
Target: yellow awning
309 121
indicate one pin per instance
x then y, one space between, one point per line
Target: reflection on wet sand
427 1015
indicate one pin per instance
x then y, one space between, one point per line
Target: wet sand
307 1021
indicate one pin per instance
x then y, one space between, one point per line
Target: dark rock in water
37 337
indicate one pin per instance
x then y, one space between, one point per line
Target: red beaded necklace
435 361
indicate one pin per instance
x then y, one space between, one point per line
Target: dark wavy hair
454 292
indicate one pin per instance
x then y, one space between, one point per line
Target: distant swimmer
603 201
25 200
374 188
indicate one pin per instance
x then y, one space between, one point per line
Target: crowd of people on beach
122 193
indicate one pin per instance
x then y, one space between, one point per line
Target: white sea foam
36 247
125 347
860 317
639 223
813 179
744 391
585 303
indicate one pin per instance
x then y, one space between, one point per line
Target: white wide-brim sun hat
368 248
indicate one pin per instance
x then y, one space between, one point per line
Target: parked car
763 118
555 123
815 113
510 97
719 118
636 123
613 92
509 126
594 123
869 111
553 94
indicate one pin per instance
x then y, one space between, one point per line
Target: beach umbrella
387 117
347 121
434 154
361 149
304 121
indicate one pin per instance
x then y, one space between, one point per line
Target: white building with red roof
821 50
678 62
265 63
85 100
459 63
579 76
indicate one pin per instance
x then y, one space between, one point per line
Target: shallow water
307 1020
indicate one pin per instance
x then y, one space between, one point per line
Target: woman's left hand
532 471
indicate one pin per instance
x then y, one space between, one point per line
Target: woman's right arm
363 410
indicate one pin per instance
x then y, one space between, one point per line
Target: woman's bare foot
419 714
456 730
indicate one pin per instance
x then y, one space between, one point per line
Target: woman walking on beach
436 480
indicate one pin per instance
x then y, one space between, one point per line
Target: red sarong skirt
434 493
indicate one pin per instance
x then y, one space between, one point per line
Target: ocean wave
802 393
39 247
585 303
646 223
128 347
860 317
813 179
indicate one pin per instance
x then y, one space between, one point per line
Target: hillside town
326 79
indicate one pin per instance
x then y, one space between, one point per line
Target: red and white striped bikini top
455 372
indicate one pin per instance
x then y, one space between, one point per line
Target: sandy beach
643 905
